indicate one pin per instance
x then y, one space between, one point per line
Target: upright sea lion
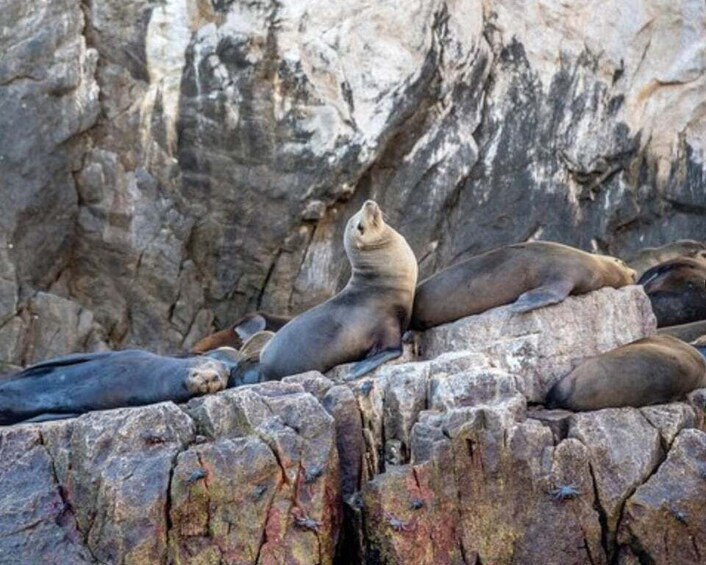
365 321
529 275
74 384
677 290
240 331
652 370
651 256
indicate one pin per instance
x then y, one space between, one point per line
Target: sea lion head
376 250
366 229
619 273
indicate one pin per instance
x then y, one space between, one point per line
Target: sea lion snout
208 378
371 211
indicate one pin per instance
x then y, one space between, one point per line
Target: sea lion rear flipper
248 328
371 363
545 295
251 349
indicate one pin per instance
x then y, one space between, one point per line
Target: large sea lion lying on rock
652 256
241 331
528 275
652 370
365 321
677 290
75 384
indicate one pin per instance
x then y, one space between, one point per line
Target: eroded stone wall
166 166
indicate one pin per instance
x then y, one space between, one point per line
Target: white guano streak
168 36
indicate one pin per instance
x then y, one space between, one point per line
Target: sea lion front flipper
545 295
371 363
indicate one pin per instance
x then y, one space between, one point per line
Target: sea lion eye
361 229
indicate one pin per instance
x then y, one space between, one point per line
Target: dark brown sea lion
652 370
75 384
365 321
652 256
240 331
677 290
528 275
685 332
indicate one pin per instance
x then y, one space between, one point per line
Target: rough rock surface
443 460
166 166
247 476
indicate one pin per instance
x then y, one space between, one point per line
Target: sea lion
677 290
652 370
247 359
528 275
71 385
240 331
365 321
685 332
652 256
700 344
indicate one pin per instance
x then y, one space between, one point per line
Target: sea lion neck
389 263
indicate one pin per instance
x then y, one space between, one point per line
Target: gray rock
624 449
56 326
152 484
664 520
48 97
230 143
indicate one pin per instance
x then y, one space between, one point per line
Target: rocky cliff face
441 458
166 166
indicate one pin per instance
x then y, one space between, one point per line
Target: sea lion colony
365 322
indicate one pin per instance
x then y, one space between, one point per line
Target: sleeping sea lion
652 256
240 331
528 275
677 290
652 370
365 321
71 385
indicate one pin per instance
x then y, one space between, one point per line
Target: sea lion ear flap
250 327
